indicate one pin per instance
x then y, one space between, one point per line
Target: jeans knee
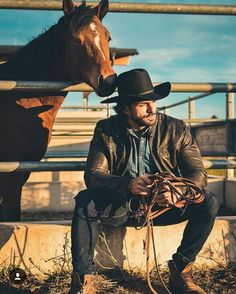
85 208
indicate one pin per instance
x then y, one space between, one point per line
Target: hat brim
159 92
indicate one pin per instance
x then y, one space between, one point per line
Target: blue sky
175 48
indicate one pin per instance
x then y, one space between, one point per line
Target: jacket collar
122 125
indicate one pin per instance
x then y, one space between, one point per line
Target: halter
145 210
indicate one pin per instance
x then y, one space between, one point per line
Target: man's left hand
166 198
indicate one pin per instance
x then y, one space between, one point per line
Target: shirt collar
144 133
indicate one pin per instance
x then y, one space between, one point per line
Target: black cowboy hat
136 85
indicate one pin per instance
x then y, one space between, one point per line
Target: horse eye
109 38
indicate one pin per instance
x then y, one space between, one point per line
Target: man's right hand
139 185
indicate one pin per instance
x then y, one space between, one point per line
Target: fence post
108 110
166 111
229 115
191 108
85 100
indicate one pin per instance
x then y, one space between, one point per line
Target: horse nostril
107 86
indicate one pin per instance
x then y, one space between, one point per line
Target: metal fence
80 165
208 88
127 7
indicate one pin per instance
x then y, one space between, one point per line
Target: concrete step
44 247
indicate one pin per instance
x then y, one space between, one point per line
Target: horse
75 49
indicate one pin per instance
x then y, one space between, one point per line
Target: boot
182 282
88 285
77 287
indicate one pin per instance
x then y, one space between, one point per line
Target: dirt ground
218 281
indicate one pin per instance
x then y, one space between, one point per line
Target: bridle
183 193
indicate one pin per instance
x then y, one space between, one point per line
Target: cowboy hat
136 85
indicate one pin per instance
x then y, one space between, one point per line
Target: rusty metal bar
42 166
201 120
127 7
80 165
45 86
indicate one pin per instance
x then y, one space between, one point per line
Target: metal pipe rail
127 7
83 154
97 108
34 166
80 165
45 86
191 98
66 154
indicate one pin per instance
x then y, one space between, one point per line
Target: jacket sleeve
189 160
98 172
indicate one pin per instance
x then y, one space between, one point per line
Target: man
125 151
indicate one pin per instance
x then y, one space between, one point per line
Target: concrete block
37 248
230 194
216 186
45 247
50 196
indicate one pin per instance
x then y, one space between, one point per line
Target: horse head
87 47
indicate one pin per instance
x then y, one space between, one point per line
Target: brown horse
75 49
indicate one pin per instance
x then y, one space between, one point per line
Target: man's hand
164 197
139 185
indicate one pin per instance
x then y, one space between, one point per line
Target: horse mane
33 61
30 62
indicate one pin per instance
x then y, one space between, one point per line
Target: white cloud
161 57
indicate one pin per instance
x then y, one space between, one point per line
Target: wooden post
166 111
108 110
191 109
229 115
229 105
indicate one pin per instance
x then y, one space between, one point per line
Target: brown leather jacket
171 145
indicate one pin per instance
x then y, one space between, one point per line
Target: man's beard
145 121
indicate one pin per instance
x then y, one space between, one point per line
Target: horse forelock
82 16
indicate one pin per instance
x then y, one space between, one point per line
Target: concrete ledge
45 247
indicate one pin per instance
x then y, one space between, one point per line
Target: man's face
141 114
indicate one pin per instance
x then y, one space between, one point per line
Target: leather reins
183 192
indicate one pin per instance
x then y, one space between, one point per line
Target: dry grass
218 281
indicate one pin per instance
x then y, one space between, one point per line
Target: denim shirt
140 161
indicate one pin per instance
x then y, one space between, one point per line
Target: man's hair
119 109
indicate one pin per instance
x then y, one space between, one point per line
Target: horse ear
102 8
68 6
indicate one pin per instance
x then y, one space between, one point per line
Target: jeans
90 209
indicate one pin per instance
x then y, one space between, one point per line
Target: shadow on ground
219 281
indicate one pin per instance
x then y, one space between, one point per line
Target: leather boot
77 287
88 285
182 282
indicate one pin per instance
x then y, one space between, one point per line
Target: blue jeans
90 209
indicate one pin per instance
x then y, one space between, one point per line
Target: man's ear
126 109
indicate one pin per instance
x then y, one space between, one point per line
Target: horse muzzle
106 86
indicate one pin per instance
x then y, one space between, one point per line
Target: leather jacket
171 144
